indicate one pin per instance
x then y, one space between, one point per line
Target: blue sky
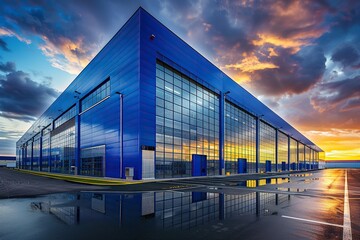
302 58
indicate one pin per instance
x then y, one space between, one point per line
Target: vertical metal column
288 165
257 144
121 132
297 156
304 157
77 139
40 153
276 149
32 154
222 133
51 129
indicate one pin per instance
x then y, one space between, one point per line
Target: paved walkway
14 183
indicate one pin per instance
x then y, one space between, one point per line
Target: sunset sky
301 58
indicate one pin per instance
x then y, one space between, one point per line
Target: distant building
150 106
7 161
343 164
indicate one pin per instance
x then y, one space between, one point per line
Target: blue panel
199 165
242 165
268 166
283 166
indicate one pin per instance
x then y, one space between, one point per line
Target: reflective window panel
267 146
282 150
240 139
187 123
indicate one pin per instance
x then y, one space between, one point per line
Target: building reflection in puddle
263 182
160 210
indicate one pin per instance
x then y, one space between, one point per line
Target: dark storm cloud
346 55
72 31
3 45
332 94
7 67
22 98
295 73
225 30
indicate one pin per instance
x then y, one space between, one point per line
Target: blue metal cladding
118 61
172 47
129 62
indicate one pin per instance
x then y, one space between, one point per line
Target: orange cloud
272 53
68 56
251 64
294 25
296 44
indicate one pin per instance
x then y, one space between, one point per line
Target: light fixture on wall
77 96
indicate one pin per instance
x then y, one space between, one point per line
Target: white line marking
347 220
312 221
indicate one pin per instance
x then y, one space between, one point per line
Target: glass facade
301 156
45 158
267 147
28 159
96 96
187 124
36 153
307 157
63 148
316 159
240 139
65 117
283 149
93 161
293 154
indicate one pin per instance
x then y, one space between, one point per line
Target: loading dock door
242 165
199 165
268 166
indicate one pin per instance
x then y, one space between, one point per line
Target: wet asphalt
303 205
316 208
14 183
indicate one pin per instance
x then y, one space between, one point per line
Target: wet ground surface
14 183
292 206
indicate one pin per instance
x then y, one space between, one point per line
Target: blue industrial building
150 106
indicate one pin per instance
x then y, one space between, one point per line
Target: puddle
300 174
262 182
310 180
291 189
112 215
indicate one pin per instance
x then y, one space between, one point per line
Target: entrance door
199 165
148 164
242 165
